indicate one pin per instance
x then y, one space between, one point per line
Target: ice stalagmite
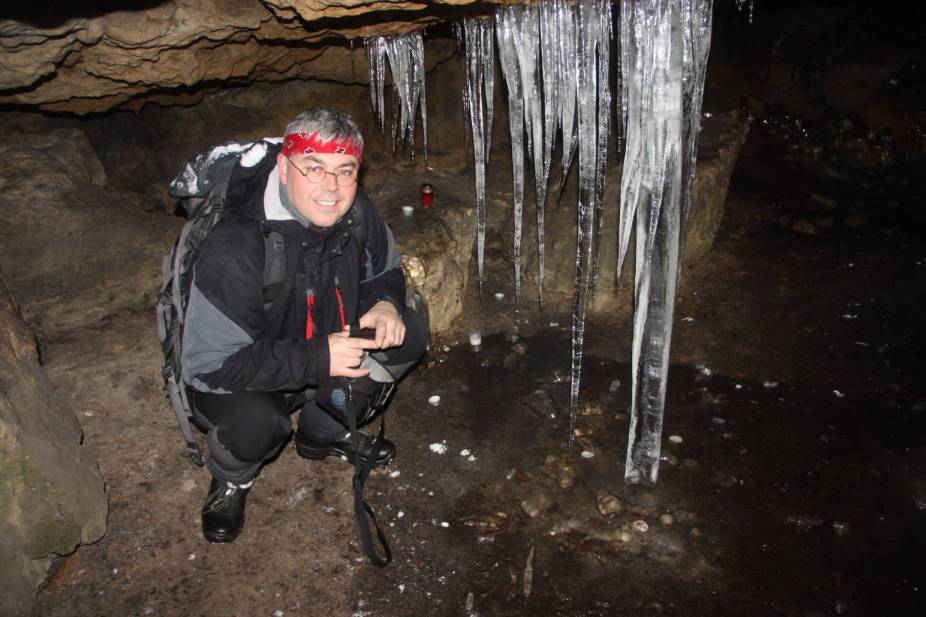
478 93
405 54
664 48
593 33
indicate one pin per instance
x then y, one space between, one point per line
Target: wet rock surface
52 496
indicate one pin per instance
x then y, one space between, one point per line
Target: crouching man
251 355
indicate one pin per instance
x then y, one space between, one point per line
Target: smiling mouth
328 203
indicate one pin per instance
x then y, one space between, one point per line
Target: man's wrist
388 302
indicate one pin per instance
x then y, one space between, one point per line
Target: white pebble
191 557
400 514
444 524
395 474
640 526
278 613
499 296
587 454
438 448
408 210
675 438
464 452
471 458
401 588
434 400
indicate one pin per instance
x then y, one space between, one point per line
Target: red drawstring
309 318
337 291
310 308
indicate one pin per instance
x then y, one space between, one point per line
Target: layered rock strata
173 51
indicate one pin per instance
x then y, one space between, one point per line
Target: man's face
325 202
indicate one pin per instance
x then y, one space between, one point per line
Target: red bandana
302 143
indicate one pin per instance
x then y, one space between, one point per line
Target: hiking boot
223 512
310 448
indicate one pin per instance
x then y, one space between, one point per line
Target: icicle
664 46
591 46
480 64
506 30
376 63
519 31
552 76
603 44
458 35
528 47
566 93
420 77
405 55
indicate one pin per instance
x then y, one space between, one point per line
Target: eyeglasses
345 176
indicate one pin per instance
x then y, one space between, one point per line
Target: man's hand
346 354
384 318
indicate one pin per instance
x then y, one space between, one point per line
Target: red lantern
427 195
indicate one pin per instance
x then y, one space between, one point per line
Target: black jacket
236 339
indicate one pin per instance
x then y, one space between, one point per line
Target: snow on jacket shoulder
235 339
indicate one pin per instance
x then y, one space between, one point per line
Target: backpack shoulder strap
358 225
274 264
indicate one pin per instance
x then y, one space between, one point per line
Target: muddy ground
792 480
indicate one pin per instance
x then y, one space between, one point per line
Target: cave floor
797 486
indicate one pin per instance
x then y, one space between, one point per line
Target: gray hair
328 124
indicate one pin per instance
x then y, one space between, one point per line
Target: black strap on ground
362 511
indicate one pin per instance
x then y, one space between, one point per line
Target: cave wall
51 496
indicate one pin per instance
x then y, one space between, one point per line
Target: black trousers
245 429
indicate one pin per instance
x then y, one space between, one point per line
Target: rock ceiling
167 51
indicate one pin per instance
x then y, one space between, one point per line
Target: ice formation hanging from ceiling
555 60
478 97
664 48
405 55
